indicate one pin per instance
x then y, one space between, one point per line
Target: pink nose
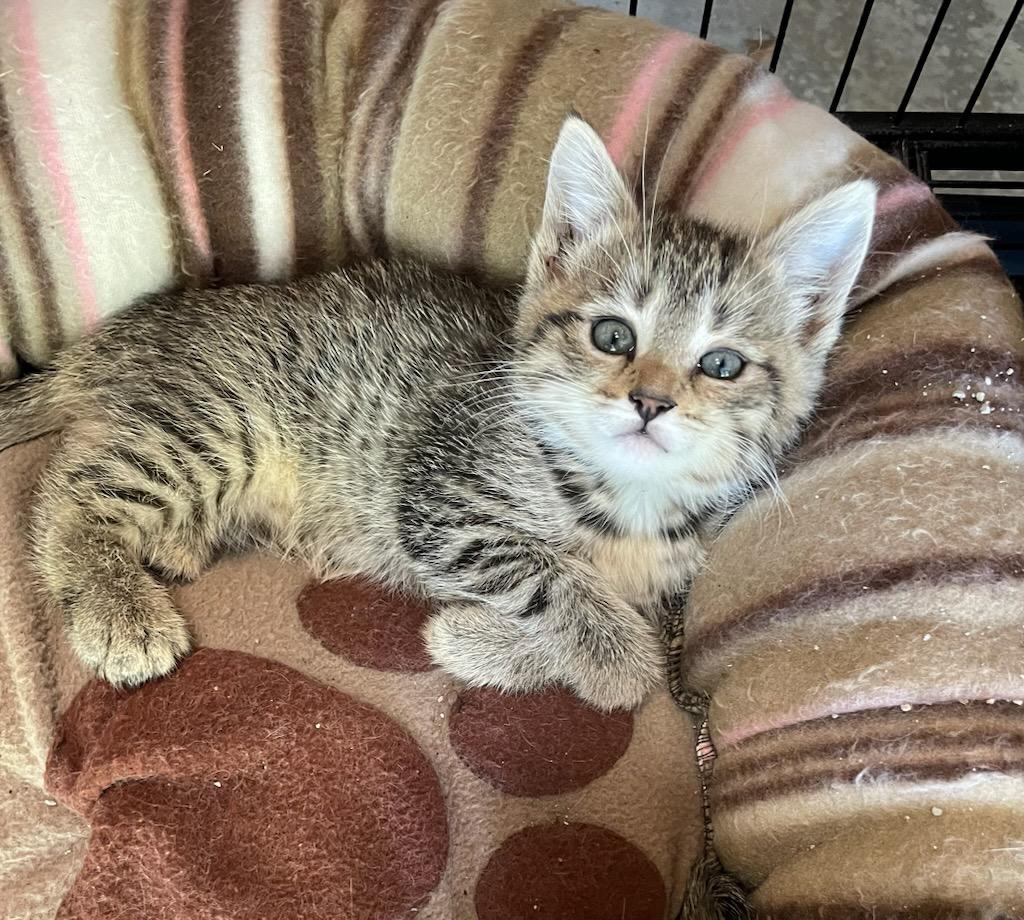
648 405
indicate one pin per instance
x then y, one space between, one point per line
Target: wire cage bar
862 23
975 146
781 37
922 58
1011 21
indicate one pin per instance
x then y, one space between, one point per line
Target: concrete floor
819 36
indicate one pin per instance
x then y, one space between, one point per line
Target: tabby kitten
546 471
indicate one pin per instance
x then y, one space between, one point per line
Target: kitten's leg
107 520
541 618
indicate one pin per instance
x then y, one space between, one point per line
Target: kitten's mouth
643 439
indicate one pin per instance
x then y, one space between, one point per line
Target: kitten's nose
648 405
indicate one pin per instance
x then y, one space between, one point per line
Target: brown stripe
827 592
903 420
378 29
193 264
957 764
723 104
890 741
301 56
841 736
887 396
513 88
694 75
211 101
383 127
9 305
9 310
132 70
39 264
945 365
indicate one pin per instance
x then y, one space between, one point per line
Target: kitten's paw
613 656
612 663
131 646
483 648
622 686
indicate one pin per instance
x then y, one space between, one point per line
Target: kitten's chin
641 444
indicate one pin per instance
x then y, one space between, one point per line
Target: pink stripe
639 96
6 356
775 104
891 697
47 138
902 195
181 149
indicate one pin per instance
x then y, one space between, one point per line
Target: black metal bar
848 66
633 4
922 59
991 141
986 126
991 62
705 20
783 25
1008 211
978 183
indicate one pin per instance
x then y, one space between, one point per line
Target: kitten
546 469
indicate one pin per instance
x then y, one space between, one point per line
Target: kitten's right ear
821 250
585 191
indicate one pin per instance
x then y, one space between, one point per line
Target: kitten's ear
585 191
822 248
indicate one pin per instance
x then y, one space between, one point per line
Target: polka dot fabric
310 754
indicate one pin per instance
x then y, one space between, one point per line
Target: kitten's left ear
822 248
585 191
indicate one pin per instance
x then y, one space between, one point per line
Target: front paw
130 646
618 663
610 659
485 648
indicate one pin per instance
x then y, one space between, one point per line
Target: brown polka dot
239 788
577 870
366 624
537 744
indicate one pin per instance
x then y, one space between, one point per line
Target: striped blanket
860 637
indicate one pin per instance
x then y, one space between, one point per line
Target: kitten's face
667 350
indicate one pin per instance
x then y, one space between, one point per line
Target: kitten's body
464 444
357 420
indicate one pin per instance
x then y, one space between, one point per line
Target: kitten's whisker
756 235
643 191
657 183
760 465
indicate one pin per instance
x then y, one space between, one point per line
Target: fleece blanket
858 636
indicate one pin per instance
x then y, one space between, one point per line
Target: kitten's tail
711 894
26 410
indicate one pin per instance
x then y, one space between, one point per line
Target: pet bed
859 638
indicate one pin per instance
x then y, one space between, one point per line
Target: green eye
613 337
722 364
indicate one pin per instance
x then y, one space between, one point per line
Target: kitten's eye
722 364
613 337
